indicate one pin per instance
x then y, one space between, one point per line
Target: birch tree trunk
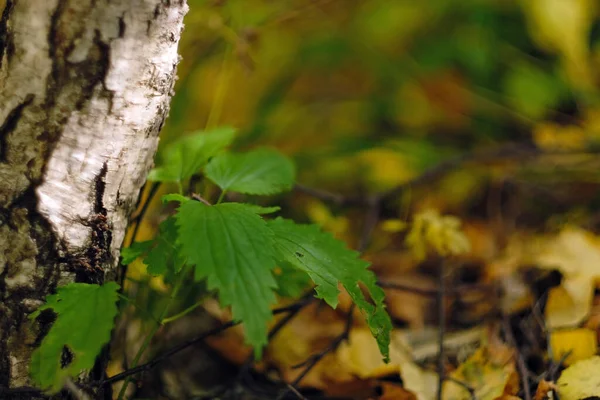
85 87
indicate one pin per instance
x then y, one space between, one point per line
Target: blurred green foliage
367 94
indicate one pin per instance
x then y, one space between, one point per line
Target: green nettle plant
233 247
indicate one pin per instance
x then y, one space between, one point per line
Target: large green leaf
328 262
231 246
85 317
188 155
262 172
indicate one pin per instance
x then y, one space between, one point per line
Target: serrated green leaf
136 250
188 155
85 318
261 172
231 246
328 262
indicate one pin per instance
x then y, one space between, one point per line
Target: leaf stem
155 329
137 306
182 313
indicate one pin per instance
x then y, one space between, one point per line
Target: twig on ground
441 367
371 220
296 392
313 360
506 152
520 361
484 288
324 195
465 385
303 302
510 151
176 349
75 390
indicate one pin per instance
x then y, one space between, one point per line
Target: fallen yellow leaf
581 380
581 343
576 254
564 26
361 357
486 371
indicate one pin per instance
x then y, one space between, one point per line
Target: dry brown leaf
353 389
361 358
513 384
543 389
395 392
311 331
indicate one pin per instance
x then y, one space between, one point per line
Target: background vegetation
396 113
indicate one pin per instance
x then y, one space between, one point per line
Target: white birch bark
85 87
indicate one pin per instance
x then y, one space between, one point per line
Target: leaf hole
66 358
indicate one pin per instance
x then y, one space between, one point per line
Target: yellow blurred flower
431 231
551 136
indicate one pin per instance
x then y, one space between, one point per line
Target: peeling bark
85 87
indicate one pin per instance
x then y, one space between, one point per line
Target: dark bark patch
10 124
7 46
54 40
122 27
95 70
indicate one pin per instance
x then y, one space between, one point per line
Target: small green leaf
232 246
85 318
261 172
188 155
328 262
262 210
172 171
174 197
533 91
136 250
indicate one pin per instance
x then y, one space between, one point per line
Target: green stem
140 309
155 329
182 313
221 196
217 105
